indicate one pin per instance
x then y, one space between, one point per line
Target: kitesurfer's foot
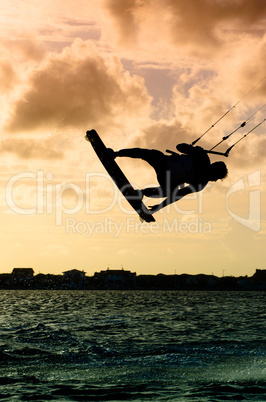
112 153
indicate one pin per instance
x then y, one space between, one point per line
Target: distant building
74 279
5 280
115 279
260 274
191 280
22 273
74 275
260 278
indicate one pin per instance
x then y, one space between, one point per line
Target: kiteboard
131 195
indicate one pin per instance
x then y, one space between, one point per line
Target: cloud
162 135
125 15
8 75
17 56
24 50
31 149
202 22
196 25
78 87
250 153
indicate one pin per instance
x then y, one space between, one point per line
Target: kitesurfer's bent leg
154 157
154 192
157 160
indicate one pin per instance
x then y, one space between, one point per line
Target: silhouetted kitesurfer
178 174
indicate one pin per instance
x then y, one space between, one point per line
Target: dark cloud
75 88
204 23
199 21
124 14
162 136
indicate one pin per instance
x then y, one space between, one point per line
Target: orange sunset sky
142 73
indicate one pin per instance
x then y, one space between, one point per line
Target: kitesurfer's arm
185 148
182 192
189 149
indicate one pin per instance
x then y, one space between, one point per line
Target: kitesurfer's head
218 170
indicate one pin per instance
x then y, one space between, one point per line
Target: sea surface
132 346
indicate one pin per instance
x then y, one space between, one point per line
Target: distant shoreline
24 279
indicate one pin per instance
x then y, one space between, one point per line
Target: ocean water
132 346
